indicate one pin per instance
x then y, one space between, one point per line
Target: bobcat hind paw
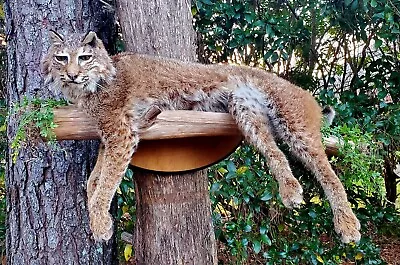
347 225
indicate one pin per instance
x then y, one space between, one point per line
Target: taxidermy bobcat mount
125 92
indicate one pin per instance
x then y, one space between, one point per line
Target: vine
37 118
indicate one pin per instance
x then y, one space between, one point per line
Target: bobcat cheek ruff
120 92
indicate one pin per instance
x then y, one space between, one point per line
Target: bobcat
125 92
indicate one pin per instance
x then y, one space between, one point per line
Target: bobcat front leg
119 145
95 175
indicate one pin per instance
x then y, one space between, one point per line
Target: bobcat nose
72 76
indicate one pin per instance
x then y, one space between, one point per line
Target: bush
253 226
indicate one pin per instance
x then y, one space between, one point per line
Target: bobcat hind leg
307 146
246 105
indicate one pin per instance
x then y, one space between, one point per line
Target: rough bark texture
158 27
390 179
47 220
173 219
174 223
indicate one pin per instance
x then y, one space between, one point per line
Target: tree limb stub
73 124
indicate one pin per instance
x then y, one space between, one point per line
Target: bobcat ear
90 39
55 37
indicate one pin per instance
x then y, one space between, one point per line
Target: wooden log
73 124
178 140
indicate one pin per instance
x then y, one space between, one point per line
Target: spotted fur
125 92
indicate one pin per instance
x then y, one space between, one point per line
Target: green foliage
126 214
252 223
36 116
346 52
359 163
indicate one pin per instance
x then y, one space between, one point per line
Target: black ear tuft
90 39
55 37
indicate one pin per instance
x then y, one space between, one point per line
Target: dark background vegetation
346 52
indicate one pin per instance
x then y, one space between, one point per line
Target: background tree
173 210
47 220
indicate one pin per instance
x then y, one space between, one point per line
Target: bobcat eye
61 58
85 57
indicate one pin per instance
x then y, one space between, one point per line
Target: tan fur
121 94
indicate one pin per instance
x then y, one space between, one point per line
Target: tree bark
173 219
47 221
390 180
174 224
158 27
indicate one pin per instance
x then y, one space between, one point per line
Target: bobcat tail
329 114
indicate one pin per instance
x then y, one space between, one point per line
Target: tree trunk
390 179
174 224
173 219
47 221
158 27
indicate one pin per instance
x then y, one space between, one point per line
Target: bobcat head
77 64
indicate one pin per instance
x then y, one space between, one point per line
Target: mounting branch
177 141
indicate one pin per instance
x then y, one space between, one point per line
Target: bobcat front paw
346 225
101 225
291 193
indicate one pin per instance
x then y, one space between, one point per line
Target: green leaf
263 229
207 2
256 246
378 43
395 31
231 167
380 15
248 18
373 3
266 239
312 214
215 187
241 170
354 5
390 17
320 259
274 57
194 11
266 196
348 2
222 170
270 32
